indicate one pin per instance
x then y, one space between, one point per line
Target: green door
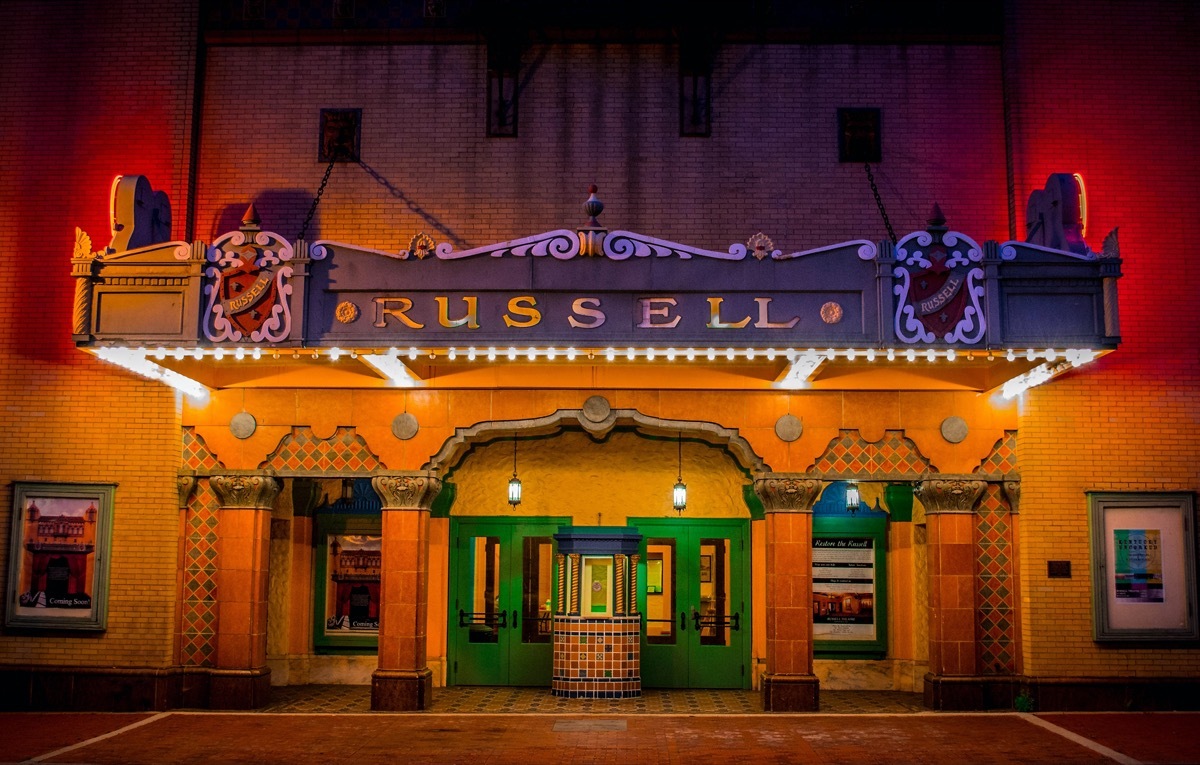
502 584
693 588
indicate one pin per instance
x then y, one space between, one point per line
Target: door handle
515 612
682 622
696 619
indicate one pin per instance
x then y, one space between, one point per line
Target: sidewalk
212 738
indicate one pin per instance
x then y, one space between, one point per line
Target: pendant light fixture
514 483
679 493
852 497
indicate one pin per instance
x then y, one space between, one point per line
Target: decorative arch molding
598 420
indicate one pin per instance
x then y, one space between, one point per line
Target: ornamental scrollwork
245 491
787 494
408 491
950 495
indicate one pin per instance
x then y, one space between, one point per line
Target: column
789 684
403 681
950 523
240 678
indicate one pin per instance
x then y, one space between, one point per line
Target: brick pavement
212 738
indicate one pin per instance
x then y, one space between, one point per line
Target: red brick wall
1109 91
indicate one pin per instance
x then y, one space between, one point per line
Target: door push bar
493 620
720 621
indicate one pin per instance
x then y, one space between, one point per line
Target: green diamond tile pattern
850 453
343 452
1003 458
995 622
199 614
196 454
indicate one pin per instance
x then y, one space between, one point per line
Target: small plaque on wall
1058 569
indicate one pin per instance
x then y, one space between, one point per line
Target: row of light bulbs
512 353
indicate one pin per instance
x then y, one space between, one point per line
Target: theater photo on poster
58 556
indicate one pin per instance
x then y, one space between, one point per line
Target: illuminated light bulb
316 354
1011 356
239 354
870 354
491 354
571 353
910 354
354 354
179 354
471 353
850 354
630 354
770 354
412 354
1030 354
730 353
257 353
335 354
712 354
670 354
830 354
452 354
951 355
198 354
1051 354
610 354
531 354
551 354
218 353
891 354
512 354
649 354
930 354
750 354
691 355
161 353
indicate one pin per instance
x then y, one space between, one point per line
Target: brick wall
1110 93
90 90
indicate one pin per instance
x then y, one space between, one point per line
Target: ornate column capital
251 492
950 495
186 485
407 491
1012 492
787 492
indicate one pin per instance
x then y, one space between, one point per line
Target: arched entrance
598 467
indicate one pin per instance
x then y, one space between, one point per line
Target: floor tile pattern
488 700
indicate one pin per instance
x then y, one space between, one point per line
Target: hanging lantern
514 483
852 498
679 492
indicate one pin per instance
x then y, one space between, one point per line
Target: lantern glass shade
679 496
852 498
514 491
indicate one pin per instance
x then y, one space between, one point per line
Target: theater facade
443 419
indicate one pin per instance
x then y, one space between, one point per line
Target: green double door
694 593
501 600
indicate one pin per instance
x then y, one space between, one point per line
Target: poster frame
875 528
1177 568
337 524
96 617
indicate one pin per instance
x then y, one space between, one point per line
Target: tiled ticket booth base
597 658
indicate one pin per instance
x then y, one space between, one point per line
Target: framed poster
348 565
849 587
1143 566
58 556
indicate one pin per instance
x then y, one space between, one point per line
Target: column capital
1012 492
242 491
787 492
186 485
407 491
950 494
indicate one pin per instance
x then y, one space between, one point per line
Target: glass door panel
660 591
482 619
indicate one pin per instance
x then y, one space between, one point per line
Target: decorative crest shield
939 289
248 285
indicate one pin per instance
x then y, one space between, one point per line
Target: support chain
321 191
879 202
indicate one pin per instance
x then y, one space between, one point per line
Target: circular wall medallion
831 313
404 426
242 425
596 408
789 428
954 429
346 312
